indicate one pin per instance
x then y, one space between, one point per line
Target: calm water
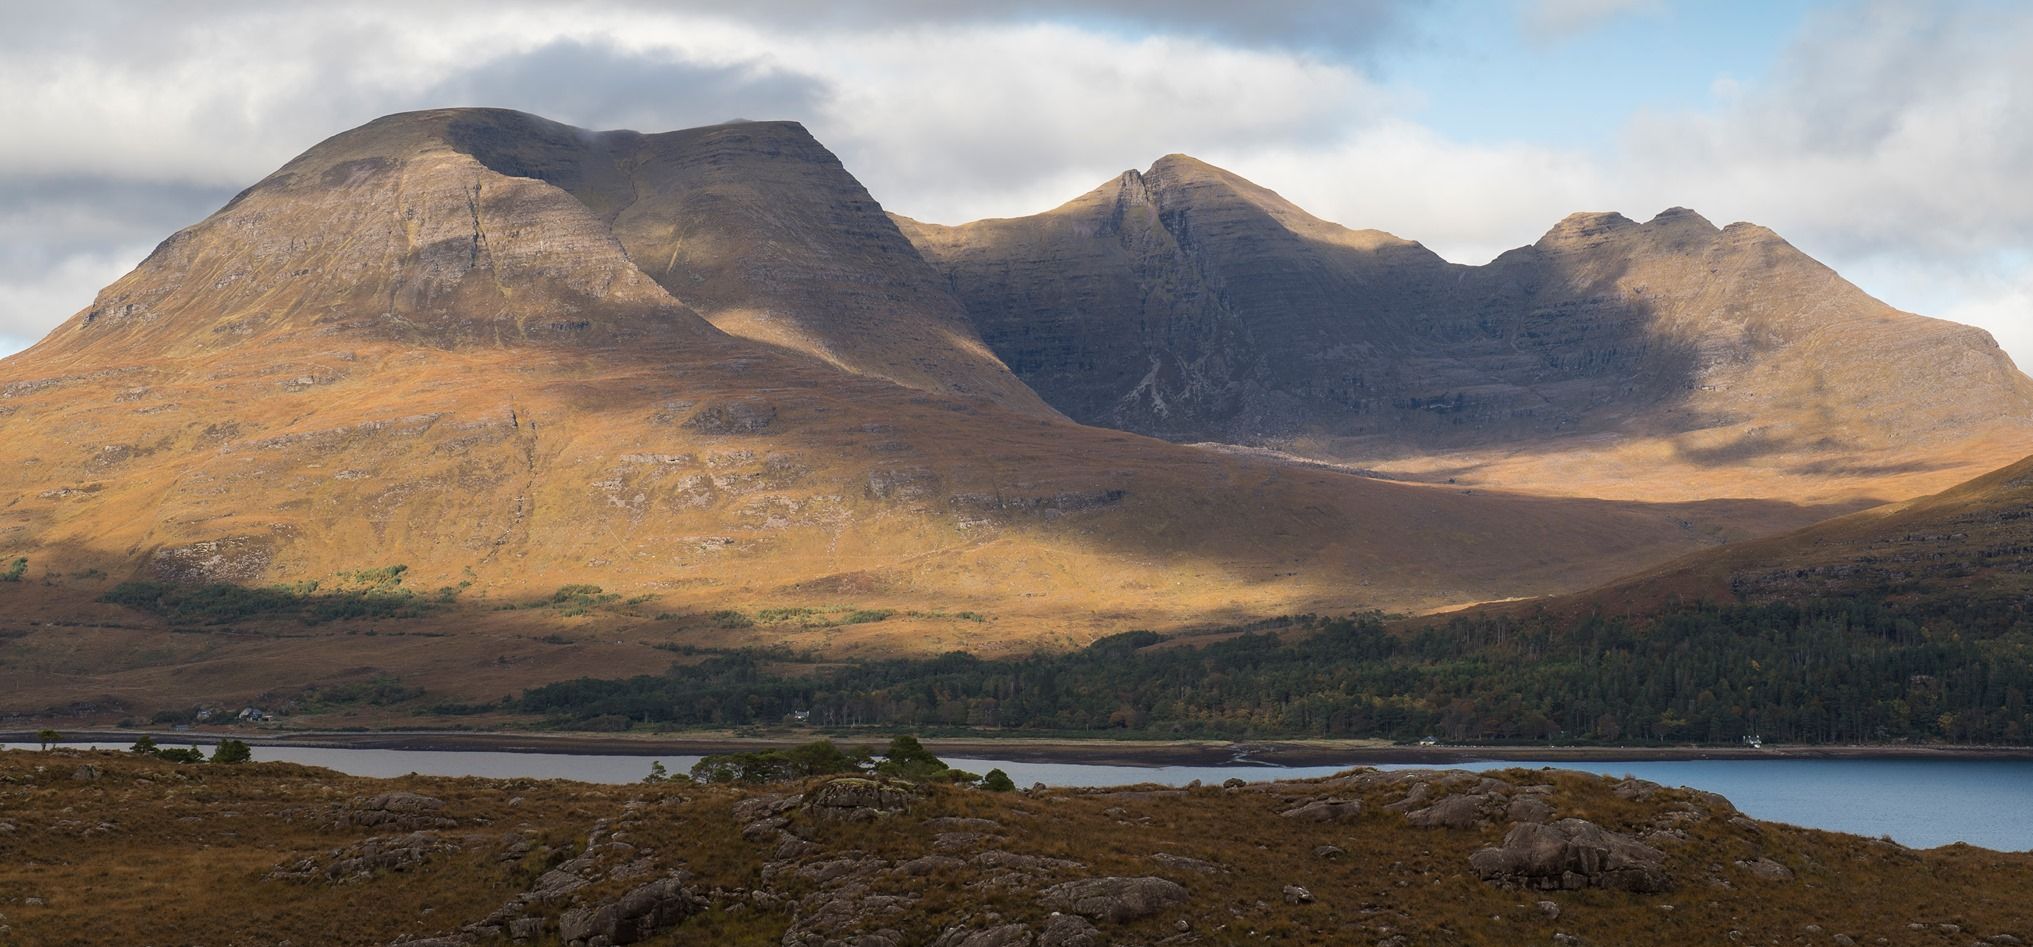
1922 803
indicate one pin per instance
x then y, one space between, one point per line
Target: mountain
1669 359
473 400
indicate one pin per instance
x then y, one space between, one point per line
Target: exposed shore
1112 752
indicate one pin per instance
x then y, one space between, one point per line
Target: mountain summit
1669 358
463 227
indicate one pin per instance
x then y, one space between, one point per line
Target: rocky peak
1585 229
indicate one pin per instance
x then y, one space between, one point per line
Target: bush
818 758
14 570
232 751
144 746
998 781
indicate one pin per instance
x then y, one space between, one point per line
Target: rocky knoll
1664 358
877 862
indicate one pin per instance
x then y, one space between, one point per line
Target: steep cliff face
1670 346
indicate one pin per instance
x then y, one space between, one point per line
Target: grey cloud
595 86
1328 25
61 239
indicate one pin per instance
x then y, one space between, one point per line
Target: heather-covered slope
1668 359
1964 547
113 848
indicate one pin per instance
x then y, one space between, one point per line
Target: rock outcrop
1569 855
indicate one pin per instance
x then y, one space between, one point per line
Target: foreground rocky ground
105 848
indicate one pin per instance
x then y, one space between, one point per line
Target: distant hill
1661 360
1971 543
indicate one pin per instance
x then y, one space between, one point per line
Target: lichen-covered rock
1068 930
632 917
1765 869
1452 812
1326 810
1528 809
366 858
1005 935
1114 899
1572 854
399 810
857 798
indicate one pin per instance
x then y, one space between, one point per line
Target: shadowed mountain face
1609 358
698 370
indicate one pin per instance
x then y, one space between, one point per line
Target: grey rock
1067 930
634 916
1765 869
1295 894
1572 854
1326 810
1114 899
856 798
1528 809
1452 812
1006 935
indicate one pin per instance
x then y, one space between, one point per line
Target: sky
1891 140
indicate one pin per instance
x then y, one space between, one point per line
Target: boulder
1007 935
1528 809
1452 812
1295 894
1765 869
634 916
1114 899
1572 854
858 798
399 810
1067 930
1326 810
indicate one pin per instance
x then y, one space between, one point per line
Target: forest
1861 669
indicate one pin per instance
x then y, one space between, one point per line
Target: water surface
1922 803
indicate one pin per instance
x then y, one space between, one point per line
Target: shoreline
1286 753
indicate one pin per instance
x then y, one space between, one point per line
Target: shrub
231 751
14 570
818 758
998 781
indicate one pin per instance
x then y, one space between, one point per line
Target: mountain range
480 400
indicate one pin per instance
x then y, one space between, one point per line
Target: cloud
1890 140
594 85
1557 20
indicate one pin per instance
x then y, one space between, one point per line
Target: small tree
232 751
145 746
49 738
998 781
657 773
